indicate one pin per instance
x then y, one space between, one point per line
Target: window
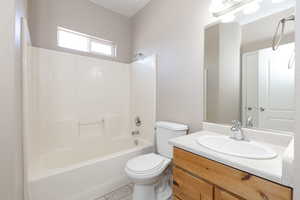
85 43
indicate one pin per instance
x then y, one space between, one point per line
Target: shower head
280 31
138 56
290 18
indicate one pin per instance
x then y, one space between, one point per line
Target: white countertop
270 169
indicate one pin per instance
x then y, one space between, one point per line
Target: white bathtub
85 172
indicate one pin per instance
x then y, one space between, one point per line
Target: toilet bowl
151 173
147 173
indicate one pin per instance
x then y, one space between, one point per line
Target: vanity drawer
223 195
238 182
175 198
188 187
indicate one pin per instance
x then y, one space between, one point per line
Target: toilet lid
146 163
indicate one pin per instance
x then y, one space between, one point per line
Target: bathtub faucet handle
135 133
138 121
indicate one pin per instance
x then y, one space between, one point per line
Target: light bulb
251 8
228 18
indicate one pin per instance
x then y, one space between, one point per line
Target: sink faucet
237 132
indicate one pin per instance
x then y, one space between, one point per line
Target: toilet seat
147 166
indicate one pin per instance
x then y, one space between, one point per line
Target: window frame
90 40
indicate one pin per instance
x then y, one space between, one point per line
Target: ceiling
267 8
124 7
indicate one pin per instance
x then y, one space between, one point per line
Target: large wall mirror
248 77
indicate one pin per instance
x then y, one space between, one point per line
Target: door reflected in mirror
246 79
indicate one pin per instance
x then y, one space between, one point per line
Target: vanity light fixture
220 8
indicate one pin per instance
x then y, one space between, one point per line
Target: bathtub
84 172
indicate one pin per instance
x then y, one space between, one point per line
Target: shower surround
81 114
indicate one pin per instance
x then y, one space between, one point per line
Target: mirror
245 79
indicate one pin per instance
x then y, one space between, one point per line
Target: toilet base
145 192
161 190
148 192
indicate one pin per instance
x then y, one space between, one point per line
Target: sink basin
229 146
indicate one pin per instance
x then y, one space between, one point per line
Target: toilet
151 173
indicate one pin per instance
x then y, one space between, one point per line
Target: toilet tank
166 131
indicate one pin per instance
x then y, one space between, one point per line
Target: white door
143 95
277 88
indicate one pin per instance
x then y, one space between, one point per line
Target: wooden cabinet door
242 184
175 198
223 195
188 187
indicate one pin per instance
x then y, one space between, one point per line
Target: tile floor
123 193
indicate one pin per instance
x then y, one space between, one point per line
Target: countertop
270 169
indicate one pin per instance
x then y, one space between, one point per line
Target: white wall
82 16
26 104
297 131
76 101
9 133
143 96
11 158
230 72
69 90
222 57
212 72
174 30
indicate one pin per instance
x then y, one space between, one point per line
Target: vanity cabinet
223 195
198 178
188 187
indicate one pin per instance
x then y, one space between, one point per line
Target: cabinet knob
264 197
175 183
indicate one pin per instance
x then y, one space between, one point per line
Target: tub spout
135 133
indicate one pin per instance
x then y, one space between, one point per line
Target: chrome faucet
137 121
249 123
237 132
